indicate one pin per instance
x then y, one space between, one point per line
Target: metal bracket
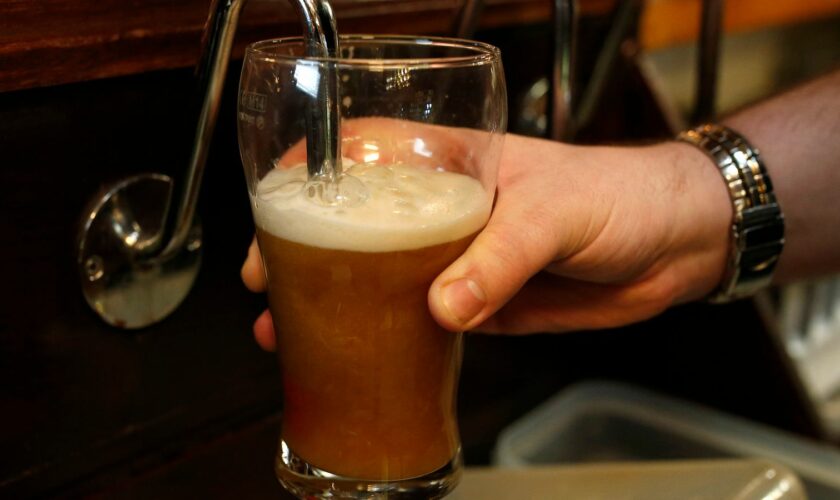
126 288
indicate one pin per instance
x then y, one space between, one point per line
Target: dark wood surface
48 42
682 354
77 395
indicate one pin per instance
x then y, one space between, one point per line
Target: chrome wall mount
123 279
139 245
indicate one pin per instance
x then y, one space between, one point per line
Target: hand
589 237
580 238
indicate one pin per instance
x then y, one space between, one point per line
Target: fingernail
464 299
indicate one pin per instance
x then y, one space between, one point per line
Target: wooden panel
78 396
47 42
671 22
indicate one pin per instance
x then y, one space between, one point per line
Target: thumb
520 239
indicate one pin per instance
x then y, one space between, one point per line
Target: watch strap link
757 231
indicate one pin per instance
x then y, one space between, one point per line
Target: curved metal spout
323 154
321 38
217 43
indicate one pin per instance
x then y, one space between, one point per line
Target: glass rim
478 53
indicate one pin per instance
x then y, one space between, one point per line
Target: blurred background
93 91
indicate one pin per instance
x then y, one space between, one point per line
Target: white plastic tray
662 480
610 422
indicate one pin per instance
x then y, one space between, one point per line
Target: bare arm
798 134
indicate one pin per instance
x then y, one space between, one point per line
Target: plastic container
709 479
809 328
610 422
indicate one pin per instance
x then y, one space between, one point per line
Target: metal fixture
139 248
707 61
573 108
625 18
562 71
564 24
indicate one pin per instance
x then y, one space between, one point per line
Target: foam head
405 208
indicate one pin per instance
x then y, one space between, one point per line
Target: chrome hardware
562 121
139 249
323 146
562 71
127 287
707 61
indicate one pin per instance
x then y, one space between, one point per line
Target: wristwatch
758 227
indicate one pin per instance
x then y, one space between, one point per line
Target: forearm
798 134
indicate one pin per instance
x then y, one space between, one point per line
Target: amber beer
370 379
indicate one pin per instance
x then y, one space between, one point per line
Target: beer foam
406 208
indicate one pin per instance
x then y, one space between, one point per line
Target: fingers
600 217
518 241
264 332
546 212
386 141
521 238
549 303
253 274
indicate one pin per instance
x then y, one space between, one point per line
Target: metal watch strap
758 229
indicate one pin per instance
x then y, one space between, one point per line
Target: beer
369 378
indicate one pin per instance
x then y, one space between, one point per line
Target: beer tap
139 246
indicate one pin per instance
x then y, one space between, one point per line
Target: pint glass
369 378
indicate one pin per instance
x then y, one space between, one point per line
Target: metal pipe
707 62
587 101
323 147
321 39
562 71
218 41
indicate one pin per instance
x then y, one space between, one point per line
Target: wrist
757 233
702 222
